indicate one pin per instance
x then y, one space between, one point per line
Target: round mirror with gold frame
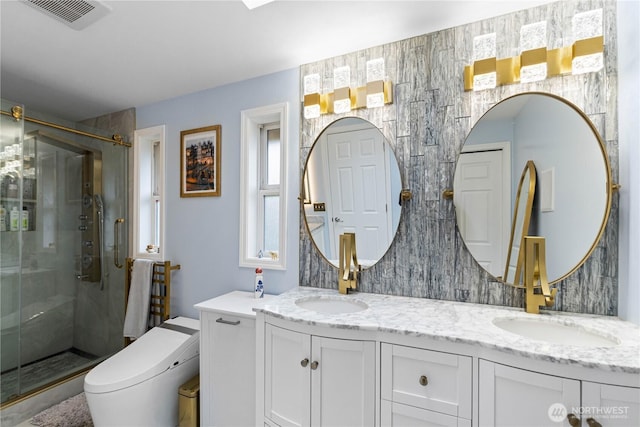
351 184
573 187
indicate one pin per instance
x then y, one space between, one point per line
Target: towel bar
159 310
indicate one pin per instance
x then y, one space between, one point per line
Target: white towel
138 304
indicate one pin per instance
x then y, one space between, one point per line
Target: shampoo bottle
14 219
24 219
3 219
259 286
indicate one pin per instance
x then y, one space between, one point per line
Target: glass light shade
587 63
375 100
484 46
533 36
587 25
311 84
375 73
342 106
375 70
341 80
484 81
533 73
312 111
341 77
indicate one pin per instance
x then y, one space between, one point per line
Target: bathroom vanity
228 358
369 359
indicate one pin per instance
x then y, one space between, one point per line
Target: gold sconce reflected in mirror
535 61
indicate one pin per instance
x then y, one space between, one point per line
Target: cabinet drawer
427 379
399 415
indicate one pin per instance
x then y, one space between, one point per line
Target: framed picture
200 162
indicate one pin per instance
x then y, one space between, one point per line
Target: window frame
149 199
252 156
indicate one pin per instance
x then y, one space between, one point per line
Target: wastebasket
188 403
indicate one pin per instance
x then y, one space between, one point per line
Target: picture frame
200 162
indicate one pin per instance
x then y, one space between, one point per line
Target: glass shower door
60 283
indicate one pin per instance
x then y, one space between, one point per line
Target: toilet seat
160 349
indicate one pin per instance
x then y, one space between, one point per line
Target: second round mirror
572 183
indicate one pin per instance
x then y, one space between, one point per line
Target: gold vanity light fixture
342 91
589 41
314 104
533 52
538 293
377 92
584 55
348 267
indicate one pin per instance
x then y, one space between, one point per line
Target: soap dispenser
259 285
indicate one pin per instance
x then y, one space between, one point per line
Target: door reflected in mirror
351 184
572 194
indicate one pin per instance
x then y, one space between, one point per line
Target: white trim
250 122
143 139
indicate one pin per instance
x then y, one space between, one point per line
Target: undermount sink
554 332
331 305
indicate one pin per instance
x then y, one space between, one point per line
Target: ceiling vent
77 14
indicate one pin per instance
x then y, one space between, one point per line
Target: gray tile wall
427 124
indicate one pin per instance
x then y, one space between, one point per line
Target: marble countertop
468 324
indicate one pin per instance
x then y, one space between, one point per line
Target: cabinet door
510 396
287 381
399 415
611 405
228 370
343 382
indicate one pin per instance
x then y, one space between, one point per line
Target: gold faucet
348 278
538 293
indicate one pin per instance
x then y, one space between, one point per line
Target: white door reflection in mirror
352 184
479 188
359 192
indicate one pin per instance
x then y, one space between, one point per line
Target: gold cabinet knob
423 380
314 365
593 423
304 362
573 420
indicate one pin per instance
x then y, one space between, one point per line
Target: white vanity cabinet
511 396
621 403
423 387
228 359
399 361
313 380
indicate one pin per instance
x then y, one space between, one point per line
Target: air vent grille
77 14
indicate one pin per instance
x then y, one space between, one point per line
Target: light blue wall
203 232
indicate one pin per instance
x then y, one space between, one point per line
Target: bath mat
73 412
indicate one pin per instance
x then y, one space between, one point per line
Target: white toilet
138 386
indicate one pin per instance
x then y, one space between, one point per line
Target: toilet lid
151 354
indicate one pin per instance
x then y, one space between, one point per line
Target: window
148 229
263 179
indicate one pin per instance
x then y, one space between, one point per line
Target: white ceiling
147 51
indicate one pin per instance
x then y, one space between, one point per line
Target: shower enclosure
63 197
